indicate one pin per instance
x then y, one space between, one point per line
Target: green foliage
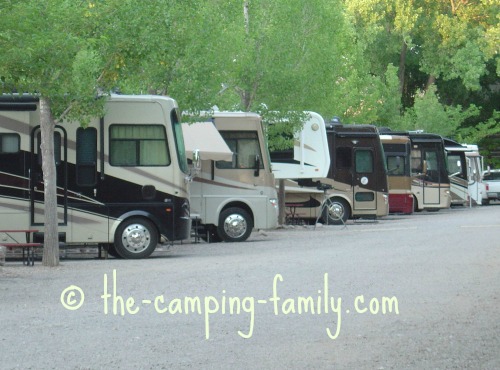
337 58
47 51
430 115
480 131
281 126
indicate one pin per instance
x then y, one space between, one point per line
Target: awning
205 137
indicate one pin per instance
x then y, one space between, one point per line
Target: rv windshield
179 142
245 146
396 165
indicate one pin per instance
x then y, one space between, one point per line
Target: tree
447 43
429 115
47 51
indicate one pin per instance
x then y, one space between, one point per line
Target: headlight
274 202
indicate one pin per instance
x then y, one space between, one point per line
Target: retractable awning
205 137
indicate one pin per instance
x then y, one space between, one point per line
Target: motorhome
478 192
122 182
355 185
465 166
397 149
233 190
457 172
430 181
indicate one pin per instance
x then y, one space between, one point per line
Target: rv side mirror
196 159
257 166
424 167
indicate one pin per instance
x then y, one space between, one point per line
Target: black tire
136 238
110 248
415 205
336 212
235 225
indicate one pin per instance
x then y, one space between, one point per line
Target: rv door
364 179
37 195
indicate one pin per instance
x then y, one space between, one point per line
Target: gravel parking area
404 292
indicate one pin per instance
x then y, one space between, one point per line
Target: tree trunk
51 240
430 81
281 202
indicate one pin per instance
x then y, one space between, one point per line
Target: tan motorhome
397 149
121 181
229 198
355 185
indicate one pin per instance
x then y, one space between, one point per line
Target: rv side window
86 156
138 145
245 146
364 161
343 157
9 143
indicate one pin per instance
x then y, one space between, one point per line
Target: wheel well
415 204
241 205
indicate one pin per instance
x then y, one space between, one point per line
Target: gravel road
405 292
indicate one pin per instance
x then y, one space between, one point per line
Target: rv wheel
235 225
336 211
415 205
136 238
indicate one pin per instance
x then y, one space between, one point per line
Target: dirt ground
405 292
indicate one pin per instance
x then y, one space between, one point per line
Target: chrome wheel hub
235 226
136 238
336 210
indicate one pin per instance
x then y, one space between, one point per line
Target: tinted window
245 146
86 156
364 161
138 145
9 143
